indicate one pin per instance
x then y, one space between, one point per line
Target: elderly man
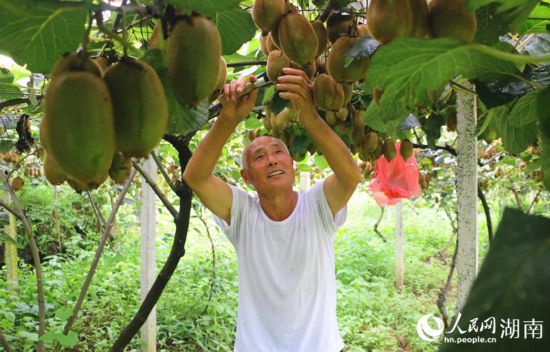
283 238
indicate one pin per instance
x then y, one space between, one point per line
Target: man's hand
296 86
236 108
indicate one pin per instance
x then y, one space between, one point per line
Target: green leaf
36 33
9 91
545 160
515 139
69 340
513 283
5 75
236 28
407 69
524 110
252 123
63 313
515 11
537 20
543 111
320 161
205 7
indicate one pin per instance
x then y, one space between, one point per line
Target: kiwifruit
358 119
338 24
263 44
297 38
17 183
310 68
53 172
336 62
102 62
420 27
342 114
156 37
193 51
280 121
358 136
267 13
78 126
72 62
371 142
451 18
348 91
379 149
389 150
139 105
387 19
327 94
266 121
406 149
321 64
270 43
222 74
276 61
322 37
330 118
120 169
451 122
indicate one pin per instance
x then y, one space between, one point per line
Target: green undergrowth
198 308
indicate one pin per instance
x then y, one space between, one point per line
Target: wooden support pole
466 192
399 266
148 257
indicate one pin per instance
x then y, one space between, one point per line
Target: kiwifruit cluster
92 118
388 19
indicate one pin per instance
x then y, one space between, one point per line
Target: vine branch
163 171
155 189
99 251
4 342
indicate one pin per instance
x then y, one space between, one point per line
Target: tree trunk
466 191
11 257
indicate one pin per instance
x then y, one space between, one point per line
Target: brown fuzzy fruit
348 91
420 27
270 43
263 44
193 51
276 61
139 105
406 149
120 168
388 19
342 114
297 38
330 118
327 94
451 18
53 172
78 126
75 62
222 74
336 62
267 13
363 31
389 149
371 142
339 24
310 68
17 183
322 37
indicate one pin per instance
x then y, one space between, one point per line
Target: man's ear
244 175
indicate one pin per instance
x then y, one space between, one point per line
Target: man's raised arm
213 192
339 187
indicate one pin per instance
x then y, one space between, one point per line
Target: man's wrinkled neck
278 205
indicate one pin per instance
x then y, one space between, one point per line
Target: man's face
269 166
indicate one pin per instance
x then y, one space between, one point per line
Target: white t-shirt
287 284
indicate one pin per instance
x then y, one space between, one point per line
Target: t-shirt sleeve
333 223
238 209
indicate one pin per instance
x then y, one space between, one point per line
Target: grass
373 315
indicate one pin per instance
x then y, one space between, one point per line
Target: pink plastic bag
395 180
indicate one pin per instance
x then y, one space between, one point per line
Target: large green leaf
515 139
524 110
546 160
236 28
9 91
205 7
513 284
37 32
407 69
515 11
538 19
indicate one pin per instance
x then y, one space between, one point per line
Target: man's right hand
236 108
